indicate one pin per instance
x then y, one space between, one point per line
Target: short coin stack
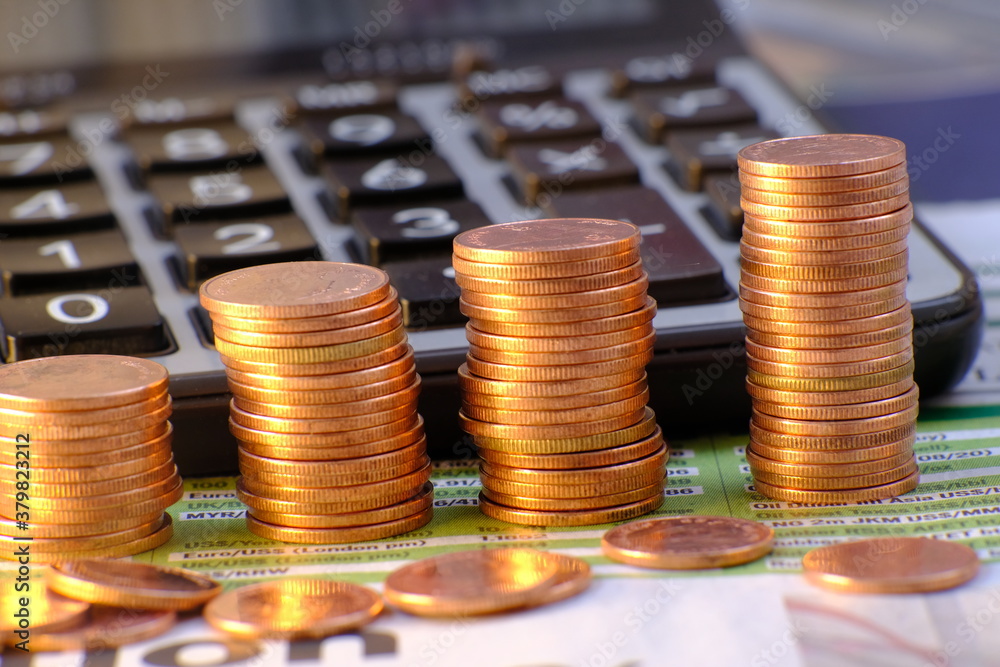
87 469
324 402
554 389
829 328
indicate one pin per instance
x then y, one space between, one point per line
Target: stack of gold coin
554 389
823 295
87 468
324 401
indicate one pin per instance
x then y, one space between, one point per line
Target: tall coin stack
324 405
86 469
829 329
554 388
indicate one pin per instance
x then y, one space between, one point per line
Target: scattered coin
131 584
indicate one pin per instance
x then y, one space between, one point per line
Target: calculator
375 133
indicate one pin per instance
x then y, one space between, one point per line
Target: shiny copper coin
539 417
312 338
545 271
814 244
99 444
91 474
53 549
597 281
601 325
49 612
830 199
132 585
838 328
882 492
804 370
821 185
306 484
388 371
325 368
51 494
826 213
827 483
339 494
560 315
104 628
786 403
393 512
555 402
552 432
334 452
827 257
828 272
399 431
294 289
554 344
79 382
544 241
29 418
308 355
631 290
834 342
351 318
837 356
818 286
572 460
875 408
797 229
843 383
131 548
596 487
891 565
314 426
821 156
341 535
647 464
402 398
859 454
560 373
345 507
818 443
472 384
9 527
86 501
294 609
88 431
319 468
569 517
835 428
834 468
688 542
323 396
76 514
153 450
615 438
796 314
603 501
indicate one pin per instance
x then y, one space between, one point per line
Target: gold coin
50 494
817 286
853 455
350 478
339 535
761 436
294 609
830 272
834 342
544 241
8 527
552 432
826 213
474 385
55 383
411 506
561 315
572 460
510 372
615 438
830 199
313 369
569 517
835 428
572 504
470 583
105 628
401 398
98 445
350 318
320 468
891 565
882 492
835 469
603 325
830 370
308 355
290 290
312 338
825 243
796 314
357 378
539 417
688 542
87 431
339 494
821 156
545 271
323 396
836 356
132 585
840 328
399 432
837 483
49 612
589 283
602 397
126 497
539 344
631 290
94 514
798 257
583 490
132 548
844 383
819 185
797 229
647 464
88 475
874 408
787 402
293 508
316 426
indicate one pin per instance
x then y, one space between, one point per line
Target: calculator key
115 320
165 148
175 110
27 123
723 211
62 262
542 172
390 233
59 209
508 84
211 248
428 293
53 158
695 153
681 269
346 97
661 111
377 180
511 122
361 133
191 198
659 71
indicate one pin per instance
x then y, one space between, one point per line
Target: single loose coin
294 609
294 289
833 199
890 490
546 271
49 611
339 535
569 517
873 179
132 585
821 156
544 241
104 628
688 542
891 565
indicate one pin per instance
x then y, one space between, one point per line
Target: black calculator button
168 147
723 210
511 122
190 198
380 180
59 209
543 172
681 269
53 263
114 320
49 159
659 71
390 233
660 112
506 84
28 123
695 153
428 293
361 133
176 110
346 97
211 248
